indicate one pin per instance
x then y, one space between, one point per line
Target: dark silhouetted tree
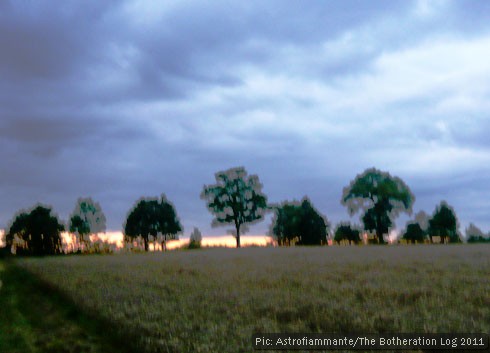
38 231
345 231
235 199
313 226
414 233
301 221
381 196
170 225
285 222
152 217
444 224
87 218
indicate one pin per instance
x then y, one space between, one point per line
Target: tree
345 231
152 217
414 233
312 225
301 221
475 235
170 225
38 232
285 222
381 197
235 199
195 239
444 224
87 218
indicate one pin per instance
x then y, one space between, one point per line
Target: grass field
212 300
36 318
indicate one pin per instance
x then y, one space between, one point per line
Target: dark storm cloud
46 40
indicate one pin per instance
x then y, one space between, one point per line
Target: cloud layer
121 99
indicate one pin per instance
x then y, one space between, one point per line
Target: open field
212 300
37 319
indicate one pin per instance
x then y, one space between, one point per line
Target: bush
194 245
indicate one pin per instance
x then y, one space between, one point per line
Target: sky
116 100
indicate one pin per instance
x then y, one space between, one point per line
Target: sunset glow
207 241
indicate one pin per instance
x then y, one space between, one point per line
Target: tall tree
152 217
87 218
235 199
299 220
313 226
39 232
285 222
444 224
169 222
380 196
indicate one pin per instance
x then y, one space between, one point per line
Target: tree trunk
237 236
146 243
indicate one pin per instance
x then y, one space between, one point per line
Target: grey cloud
94 104
42 41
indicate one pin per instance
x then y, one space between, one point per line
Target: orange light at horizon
117 238
207 241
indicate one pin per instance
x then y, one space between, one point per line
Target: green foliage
301 221
380 196
235 199
36 232
414 233
194 245
344 231
444 224
87 218
313 227
152 217
478 239
285 222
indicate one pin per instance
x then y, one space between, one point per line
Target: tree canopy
414 233
444 224
380 196
152 217
87 218
300 221
37 232
236 199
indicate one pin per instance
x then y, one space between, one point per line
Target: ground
212 300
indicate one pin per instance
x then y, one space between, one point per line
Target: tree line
237 199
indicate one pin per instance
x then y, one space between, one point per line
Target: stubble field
213 300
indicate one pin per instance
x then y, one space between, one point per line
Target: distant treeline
237 199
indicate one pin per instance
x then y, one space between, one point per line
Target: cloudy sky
121 99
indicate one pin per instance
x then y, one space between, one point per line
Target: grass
36 318
213 300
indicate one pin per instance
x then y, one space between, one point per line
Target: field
213 300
